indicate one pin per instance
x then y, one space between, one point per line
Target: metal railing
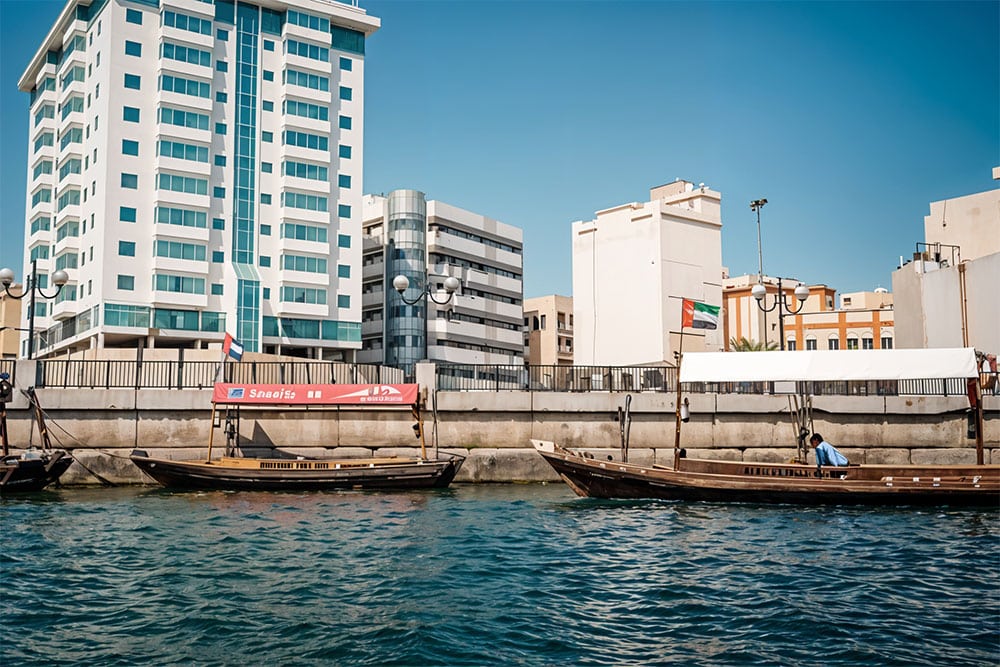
511 377
130 374
9 366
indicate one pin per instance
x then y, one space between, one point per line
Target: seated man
826 454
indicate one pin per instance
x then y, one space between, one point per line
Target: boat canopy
314 394
829 365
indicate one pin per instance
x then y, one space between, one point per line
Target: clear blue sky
848 117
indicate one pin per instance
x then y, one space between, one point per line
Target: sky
848 117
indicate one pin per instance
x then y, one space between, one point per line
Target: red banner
315 394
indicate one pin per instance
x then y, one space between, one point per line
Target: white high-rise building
429 241
196 167
634 264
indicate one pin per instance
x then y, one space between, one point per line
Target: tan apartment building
548 330
10 320
864 320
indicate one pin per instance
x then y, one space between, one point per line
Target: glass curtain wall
406 325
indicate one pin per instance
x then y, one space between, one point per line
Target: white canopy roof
826 365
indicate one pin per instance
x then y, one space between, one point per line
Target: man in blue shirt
826 454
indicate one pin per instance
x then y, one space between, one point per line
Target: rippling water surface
489 575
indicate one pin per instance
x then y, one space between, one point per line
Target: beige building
864 320
10 320
946 296
548 330
632 267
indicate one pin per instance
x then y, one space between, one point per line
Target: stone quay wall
494 429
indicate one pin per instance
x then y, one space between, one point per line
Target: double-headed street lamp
759 292
401 283
59 278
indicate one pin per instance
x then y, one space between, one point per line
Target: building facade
10 321
428 241
634 264
946 296
548 330
196 168
864 320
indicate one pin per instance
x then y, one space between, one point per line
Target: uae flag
699 315
232 347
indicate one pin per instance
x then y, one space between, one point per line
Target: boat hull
778 483
230 474
22 475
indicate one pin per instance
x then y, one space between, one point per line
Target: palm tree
747 345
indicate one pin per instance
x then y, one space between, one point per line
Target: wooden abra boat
798 482
288 472
34 469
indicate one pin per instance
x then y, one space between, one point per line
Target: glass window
220 128
220 160
265 230
268 75
222 35
267 137
265 260
343 271
268 106
130 181
221 66
219 192
268 45
221 97
343 301
266 167
218 256
265 198
343 241
344 181
132 81
346 64
126 282
218 223
345 122
130 147
126 248
343 211
126 214
346 93
216 289
133 16
345 151
133 48
130 114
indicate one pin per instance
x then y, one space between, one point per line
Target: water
489 575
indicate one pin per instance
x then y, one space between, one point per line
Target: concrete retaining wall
494 428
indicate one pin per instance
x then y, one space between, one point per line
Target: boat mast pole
979 416
677 408
211 431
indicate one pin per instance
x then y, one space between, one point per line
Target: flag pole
679 355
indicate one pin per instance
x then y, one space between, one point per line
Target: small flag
232 347
699 315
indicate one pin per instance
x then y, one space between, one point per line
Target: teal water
489 575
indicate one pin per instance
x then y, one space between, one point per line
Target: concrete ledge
925 405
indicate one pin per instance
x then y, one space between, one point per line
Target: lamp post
759 292
59 278
401 283
756 205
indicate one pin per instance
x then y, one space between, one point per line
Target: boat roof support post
678 355
211 432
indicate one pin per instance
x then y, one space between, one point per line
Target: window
810 343
307 110
266 167
130 114
45 139
72 105
181 217
267 137
222 35
304 201
886 342
307 20
343 241
220 160
790 346
178 250
852 343
45 167
126 282
185 22
833 344
126 214
345 152
221 97
303 295
344 181
313 172
345 122
265 198
291 230
343 211
178 183
346 93
268 75
184 284
219 192
133 16
177 84
343 301
346 64
221 66
303 263
216 289
265 260
218 223
345 39
867 343
130 181
218 257
126 248
306 140
268 106
46 111
182 151
265 230
306 80
133 49
187 54
130 147
343 271
267 294
268 45
307 50
181 118
132 81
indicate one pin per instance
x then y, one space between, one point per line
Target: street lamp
781 303
401 283
756 205
59 278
